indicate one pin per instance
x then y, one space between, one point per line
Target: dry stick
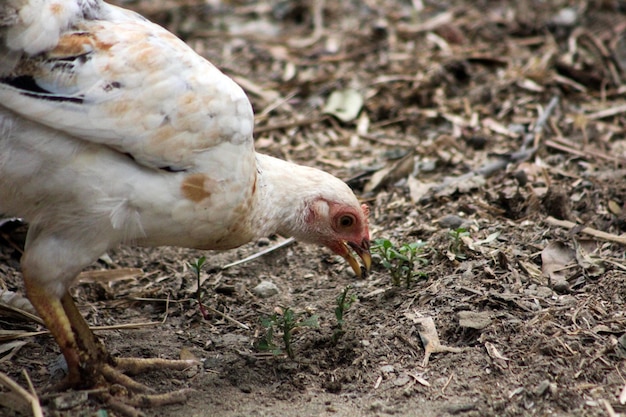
261 253
532 138
523 154
609 408
587 230
543 119
7 337
150 323
318 27
32 400
125 326
21 312
31 387
443 389
583 153
25 335
611 111
275 105
167 301
529 144
228 318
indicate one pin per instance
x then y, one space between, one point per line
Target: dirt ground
491 131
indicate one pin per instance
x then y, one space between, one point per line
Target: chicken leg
89 364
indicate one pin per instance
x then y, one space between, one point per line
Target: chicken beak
363 250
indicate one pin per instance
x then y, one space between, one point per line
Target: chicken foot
90 365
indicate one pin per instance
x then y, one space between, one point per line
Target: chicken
113 131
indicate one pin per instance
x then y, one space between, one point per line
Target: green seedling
456 242
196 267
287 323
344 302
400 261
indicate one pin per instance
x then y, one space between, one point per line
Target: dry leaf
614 208
10 348
420 380
556 260
397 170
429 336
417 189
462 184
345 105
586 258
498 359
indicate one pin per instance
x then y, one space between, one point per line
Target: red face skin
349 232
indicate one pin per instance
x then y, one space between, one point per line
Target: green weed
286 323
343 302
196 267
401 262
456 245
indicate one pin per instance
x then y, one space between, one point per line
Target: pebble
566 17
474 320
387 369
451 221
402 379
265 289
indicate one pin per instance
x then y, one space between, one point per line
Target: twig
525 152
125 326
541 122
587 230
431 24
318 27
443 389
227 317
408 342
167 309
562 145
529 144
615 264
275 105
252 88
31 387
31 399
21 312
20 335
609 408
261 253
612 111
378 381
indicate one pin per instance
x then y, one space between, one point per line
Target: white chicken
112 130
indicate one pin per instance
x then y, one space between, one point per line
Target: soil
450 150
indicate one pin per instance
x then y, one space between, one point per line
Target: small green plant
196 267
456 242
400 261
344 302
286 322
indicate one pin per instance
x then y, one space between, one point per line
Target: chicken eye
346 221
